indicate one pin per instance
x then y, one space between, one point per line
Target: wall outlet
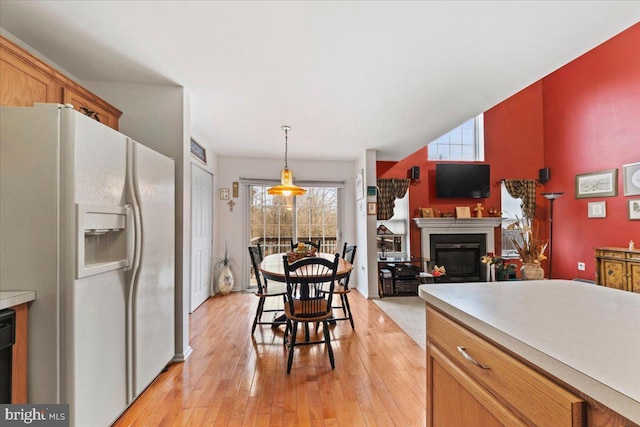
581 266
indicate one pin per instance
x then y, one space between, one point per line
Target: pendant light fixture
286 187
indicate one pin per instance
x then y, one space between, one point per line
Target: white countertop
585 335
10 299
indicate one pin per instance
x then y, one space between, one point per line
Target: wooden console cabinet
618 268
27 80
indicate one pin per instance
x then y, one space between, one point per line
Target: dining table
272 267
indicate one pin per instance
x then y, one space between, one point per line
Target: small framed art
198 151
463 212
372 208
631 179
224 194
597 184
634 209
596 210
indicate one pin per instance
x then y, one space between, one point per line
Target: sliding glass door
274 221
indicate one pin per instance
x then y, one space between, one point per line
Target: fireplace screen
460 254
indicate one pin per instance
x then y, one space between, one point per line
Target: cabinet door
634 276
22 84
613 274
84 104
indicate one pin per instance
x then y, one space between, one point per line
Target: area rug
408 313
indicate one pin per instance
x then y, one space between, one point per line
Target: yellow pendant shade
286 187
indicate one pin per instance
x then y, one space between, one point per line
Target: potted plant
530 248
225 277
498 266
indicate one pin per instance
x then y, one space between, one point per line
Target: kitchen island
579 342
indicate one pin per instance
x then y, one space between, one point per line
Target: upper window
464 143
511 212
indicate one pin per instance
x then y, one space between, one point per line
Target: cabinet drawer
633 256
610 254
531 395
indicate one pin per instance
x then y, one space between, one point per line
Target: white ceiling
346 76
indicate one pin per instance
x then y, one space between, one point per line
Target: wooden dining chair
309 304
315 245
265 290
342 287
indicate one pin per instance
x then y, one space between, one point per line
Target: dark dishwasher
7 339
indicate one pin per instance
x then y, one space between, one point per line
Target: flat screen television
462 180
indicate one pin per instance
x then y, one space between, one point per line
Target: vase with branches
530 247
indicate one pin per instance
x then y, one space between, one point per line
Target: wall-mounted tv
462 180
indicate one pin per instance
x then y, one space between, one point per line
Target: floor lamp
551 197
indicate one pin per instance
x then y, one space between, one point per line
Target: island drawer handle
464 354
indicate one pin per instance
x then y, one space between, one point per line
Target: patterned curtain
388 191
524 189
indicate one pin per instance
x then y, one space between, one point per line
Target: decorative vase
532 271
502 275
225 280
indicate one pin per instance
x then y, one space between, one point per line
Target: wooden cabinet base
19 358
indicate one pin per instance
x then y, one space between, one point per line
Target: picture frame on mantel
597 184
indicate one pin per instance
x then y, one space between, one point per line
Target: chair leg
291 346
344 306
258 315
287 330
345 303
327 339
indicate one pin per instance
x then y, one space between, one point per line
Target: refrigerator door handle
131 242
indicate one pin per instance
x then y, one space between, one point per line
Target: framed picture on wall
596 210
597 184
372 208
634 209
631 179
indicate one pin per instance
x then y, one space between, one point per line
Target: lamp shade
286 187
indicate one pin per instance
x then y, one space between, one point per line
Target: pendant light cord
286 145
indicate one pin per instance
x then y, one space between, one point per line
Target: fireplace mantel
429 226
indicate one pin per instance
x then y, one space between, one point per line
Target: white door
201 222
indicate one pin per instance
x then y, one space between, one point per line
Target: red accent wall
582 118
592 123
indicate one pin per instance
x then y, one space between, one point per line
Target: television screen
462 180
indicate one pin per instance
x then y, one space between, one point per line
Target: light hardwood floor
234 379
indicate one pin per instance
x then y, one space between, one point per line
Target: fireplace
460 254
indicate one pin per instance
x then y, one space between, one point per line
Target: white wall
367 272
230 225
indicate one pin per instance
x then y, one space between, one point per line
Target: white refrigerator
87 221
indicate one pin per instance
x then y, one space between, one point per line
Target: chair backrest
316 245
309 275
256 259
349 255
260 253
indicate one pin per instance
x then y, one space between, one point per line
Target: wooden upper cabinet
25 80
